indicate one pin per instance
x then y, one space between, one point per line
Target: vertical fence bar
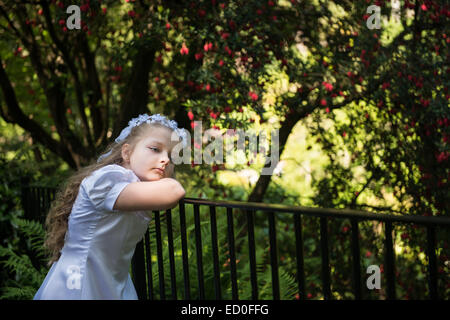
25 202
162 290
274 256
389 258
173 277
215 252
42 195
198 242
231 248
252 254
38 208
325 258
187 287
23 194
149 265
41 203
35 208
48 200
356 264
299 254
432 266
137 266
47 203
33 204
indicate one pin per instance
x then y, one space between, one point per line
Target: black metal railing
36 201
145 288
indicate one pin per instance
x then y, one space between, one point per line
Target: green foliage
377 98
24 260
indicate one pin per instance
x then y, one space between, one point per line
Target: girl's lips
161 171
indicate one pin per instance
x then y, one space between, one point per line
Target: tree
217 59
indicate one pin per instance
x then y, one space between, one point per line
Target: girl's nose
165 158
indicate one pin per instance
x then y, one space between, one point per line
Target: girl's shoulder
102 186
112 167
112 172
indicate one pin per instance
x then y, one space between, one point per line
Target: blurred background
358 95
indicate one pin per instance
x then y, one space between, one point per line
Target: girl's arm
157 195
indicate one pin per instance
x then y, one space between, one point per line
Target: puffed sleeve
104 185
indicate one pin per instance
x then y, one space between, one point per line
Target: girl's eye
154 149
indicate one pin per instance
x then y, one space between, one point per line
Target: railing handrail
318 212
322 212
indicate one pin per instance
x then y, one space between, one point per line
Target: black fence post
162 288
356 264
173 277
232 249
325 258
187 286
299 254
215 252
432 267
389 259
252 253
138 270
274 256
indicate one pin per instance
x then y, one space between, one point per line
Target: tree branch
13 114
11 24
73 70
53 88
100 123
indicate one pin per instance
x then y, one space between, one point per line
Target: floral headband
145 118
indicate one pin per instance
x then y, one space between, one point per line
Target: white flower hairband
145 118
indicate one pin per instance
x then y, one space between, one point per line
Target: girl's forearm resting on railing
157 195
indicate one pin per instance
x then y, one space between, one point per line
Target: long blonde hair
56 222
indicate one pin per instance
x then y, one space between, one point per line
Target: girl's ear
126 152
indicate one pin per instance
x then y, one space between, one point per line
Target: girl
96 221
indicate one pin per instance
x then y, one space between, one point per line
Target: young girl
96 221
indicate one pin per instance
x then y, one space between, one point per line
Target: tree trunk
262 184
136 97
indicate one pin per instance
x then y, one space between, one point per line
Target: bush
24 261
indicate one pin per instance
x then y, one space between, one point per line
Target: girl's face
151 155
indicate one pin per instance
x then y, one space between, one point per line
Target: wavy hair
56 222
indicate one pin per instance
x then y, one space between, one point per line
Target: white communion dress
99 243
